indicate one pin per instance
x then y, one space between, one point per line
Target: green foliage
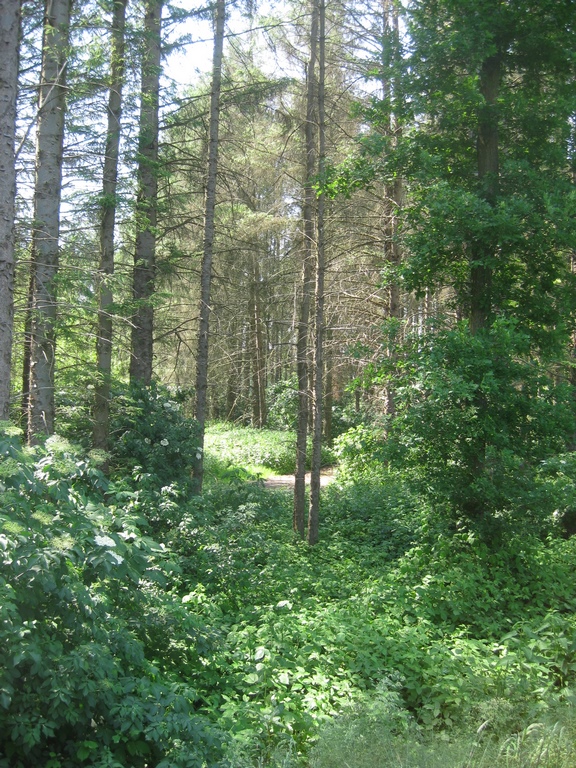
151 438
477 417
361 451
119 649
282 404
246 447
87 670
312 632
283 408
345 416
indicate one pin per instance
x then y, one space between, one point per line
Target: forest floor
275 482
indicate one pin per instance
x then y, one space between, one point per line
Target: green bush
476 417
86 674
346 416
119 649
361 452
151 438
282 404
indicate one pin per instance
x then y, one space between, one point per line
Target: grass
356 744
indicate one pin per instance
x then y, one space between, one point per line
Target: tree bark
208 247
46 227
258 352
395 189
316 463
488 169
329 396
302 339
481 267
107 222
9 49
146 205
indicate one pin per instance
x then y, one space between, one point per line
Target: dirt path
287 481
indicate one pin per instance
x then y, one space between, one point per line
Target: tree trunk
9 42
329 396
488 169
107 222
316 464
302 343
46 228
481 267
146 205
394 190
258 352
206 272
394 296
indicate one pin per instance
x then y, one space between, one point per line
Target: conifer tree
107 222
309 241
318 391
46 226
201 400
142 335
9 47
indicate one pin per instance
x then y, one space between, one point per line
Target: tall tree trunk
329 396
146 205
9 48
107 222
302 339
396 194
208 247
258 352
394 190
27 353
46 228
488 170
481 267
316 464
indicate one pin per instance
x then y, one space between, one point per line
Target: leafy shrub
346 415
477 414
282 404
458 581
282 409
151 437
361 452
376 514
85 678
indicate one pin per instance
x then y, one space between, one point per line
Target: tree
207 251
46 226
141 355
490 94
107 222
9 39
309 240
316 464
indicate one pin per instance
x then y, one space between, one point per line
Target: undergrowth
143 626
248 448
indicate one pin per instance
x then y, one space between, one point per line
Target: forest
288 384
